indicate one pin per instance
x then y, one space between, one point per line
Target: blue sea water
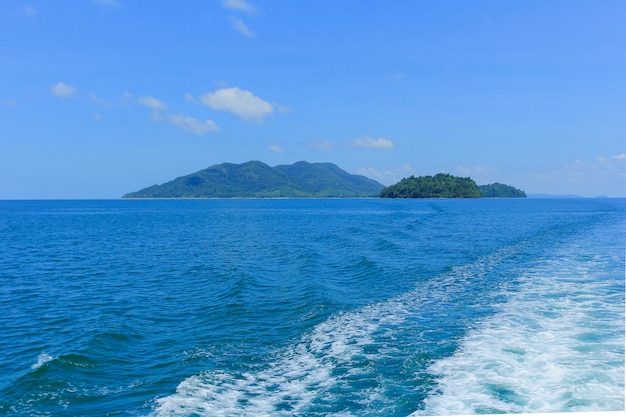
329 307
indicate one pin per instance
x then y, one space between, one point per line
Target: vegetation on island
254 179
438 186
446 186
501 190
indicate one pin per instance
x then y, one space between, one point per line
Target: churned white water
42 359
557 345
335 351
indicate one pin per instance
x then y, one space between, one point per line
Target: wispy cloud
236 22
191 125
241 27
63 90
276 148
322 145
587 176
126 99
241 103
152 102
281 108
239 5
8 102
389 176
186 123
482 174
380 143
100 101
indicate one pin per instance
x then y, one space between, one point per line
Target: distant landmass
255 179
501 190
555 196
447 186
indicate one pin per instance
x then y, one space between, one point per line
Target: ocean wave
42 359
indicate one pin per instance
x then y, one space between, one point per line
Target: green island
255 179
501 190
447 186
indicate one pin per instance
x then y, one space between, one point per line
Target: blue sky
103 97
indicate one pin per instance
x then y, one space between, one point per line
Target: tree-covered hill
500 190
447 186
256 179
438 186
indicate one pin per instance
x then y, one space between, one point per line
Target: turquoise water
346 307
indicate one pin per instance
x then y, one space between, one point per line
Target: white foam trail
42 359
291 382
556 346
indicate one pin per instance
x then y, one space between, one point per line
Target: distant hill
554 196
447 186
256 179
500 190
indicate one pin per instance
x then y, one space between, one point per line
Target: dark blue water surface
344 307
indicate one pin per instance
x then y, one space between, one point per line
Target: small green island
448 186
501 190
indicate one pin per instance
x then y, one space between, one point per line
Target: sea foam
290 384
42 359
553 347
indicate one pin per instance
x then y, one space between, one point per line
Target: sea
311 307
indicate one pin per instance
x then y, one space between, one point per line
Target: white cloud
8 102
191 125
620 156
239 5
96 116
241 103
186 123
98 100
152 102
380 143
63 90
276 148
190 98
241 27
